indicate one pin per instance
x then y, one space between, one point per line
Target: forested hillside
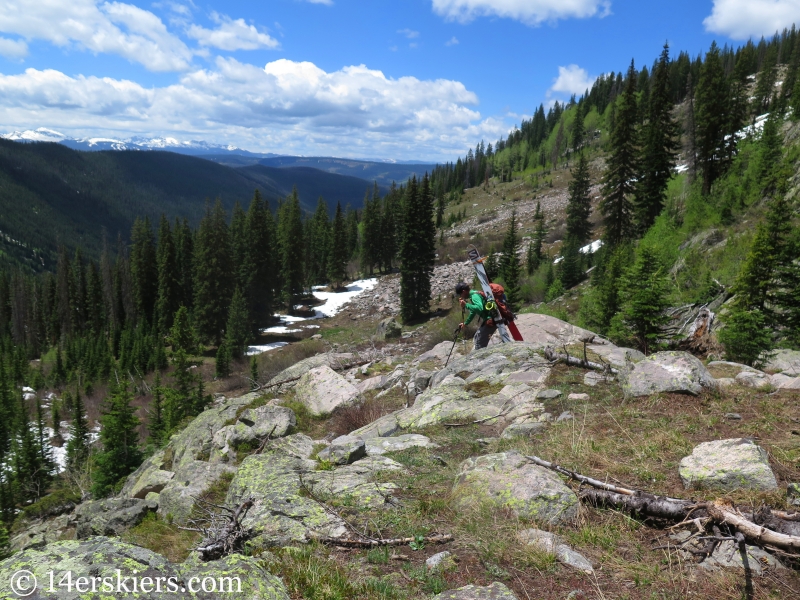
52 195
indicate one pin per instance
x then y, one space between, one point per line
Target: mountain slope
50 194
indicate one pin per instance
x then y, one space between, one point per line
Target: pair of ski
507 329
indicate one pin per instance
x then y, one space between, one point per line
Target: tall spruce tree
155 426
622 169
510 269
417 250
660 146
261 264
539 232
237 331
168 276
711 116
318 244
143 268
78 444
371 232
571 267
120 455
291 243
339 252
578 127
579 205
213 274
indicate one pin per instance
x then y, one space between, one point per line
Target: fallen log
373 543
723 511
642 504
574 361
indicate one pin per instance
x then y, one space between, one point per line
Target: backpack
500 300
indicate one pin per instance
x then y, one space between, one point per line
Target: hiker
475 303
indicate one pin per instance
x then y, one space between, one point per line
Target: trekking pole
455 341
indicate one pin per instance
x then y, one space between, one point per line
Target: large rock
108 562
344 450
784 361
496 591
111 516
322 390
377 446
553 544
197 456
388 329
728 465
39 533
291 374
511 481
521 362
666 372
279 480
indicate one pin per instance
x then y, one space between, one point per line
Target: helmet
461 288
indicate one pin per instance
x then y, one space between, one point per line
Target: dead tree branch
373 543
222 533
554 356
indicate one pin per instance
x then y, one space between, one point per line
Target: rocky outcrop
39 533
388 329
496 591
784 361
322 390
196 457
378 446
728 465
511 481
291 374
279 481
344 450
109 563
111 516
678 372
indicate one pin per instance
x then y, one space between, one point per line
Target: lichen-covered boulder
784 361
523 430
496 591
38 533
510 480
354 483
388 329
378 445
678 372
496 364
553 544
108 566
728 465
322 390
373 383
344 450
110 516
291 374
255 424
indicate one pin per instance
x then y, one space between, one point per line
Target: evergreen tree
290 241
746 337
143 268
156 425
539 232
318 244
644 297
571 267
78 444
579 205
213 274
711 116
770 154
660 146
390 225
5 543
261 264
371 232
509 264
239 247
254 369
237 332
531 260
578 128
337 259
417 250
222 365
168 276
184 257
352 221
622 169
120 455
182 335
765 83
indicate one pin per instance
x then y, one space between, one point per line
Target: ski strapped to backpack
496 303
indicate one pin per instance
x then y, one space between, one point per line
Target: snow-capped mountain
194 147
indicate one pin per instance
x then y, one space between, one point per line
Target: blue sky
414 79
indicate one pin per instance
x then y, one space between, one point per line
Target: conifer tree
239 244
254 369
184 257
143 268
644 296
120 455
660 146
711 116
579 205
213 274
371 232
531 260
622 169
571 267
390 226
765 82
509 264
237 332
352 221
578 127
168 276
261 263
78 444
539 232
5 542
222 364
318 244
182 335
770 154
156 425
291 243
417 250
337 259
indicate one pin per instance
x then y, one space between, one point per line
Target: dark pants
481 339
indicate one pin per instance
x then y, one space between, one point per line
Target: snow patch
593 247
252 350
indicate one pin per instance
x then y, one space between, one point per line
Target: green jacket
475 306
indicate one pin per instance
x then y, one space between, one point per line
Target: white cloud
453 41
13 48
530 12
110 27
231 35
409 33
741 19
571 80
325 2
286 106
